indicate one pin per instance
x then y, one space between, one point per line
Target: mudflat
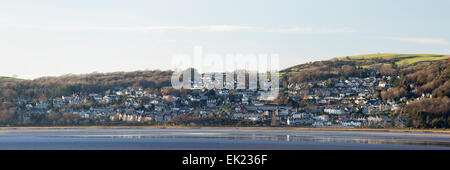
214 138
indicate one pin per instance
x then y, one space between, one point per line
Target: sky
50 38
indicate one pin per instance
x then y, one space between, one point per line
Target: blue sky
49 38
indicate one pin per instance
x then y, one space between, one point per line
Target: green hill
398 59
386 63
10 78
370 61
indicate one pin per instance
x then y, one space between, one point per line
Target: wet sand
217 139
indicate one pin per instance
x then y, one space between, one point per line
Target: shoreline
231 127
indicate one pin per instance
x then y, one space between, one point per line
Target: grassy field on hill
10 78
368 61
400 59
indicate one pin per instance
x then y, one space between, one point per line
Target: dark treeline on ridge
88 83
42 89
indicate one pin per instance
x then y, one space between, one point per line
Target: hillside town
350 102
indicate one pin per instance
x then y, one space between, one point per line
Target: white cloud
210 28
418 40
174 28
314 30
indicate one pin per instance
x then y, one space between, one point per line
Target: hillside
418 84
10 78
412 76
398 59
429 73
11 88
368 61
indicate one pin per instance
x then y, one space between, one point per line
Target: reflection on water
290 137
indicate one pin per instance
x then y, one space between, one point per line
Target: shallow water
216 139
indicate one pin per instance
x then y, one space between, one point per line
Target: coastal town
350 102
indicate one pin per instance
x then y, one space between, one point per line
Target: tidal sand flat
217 139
